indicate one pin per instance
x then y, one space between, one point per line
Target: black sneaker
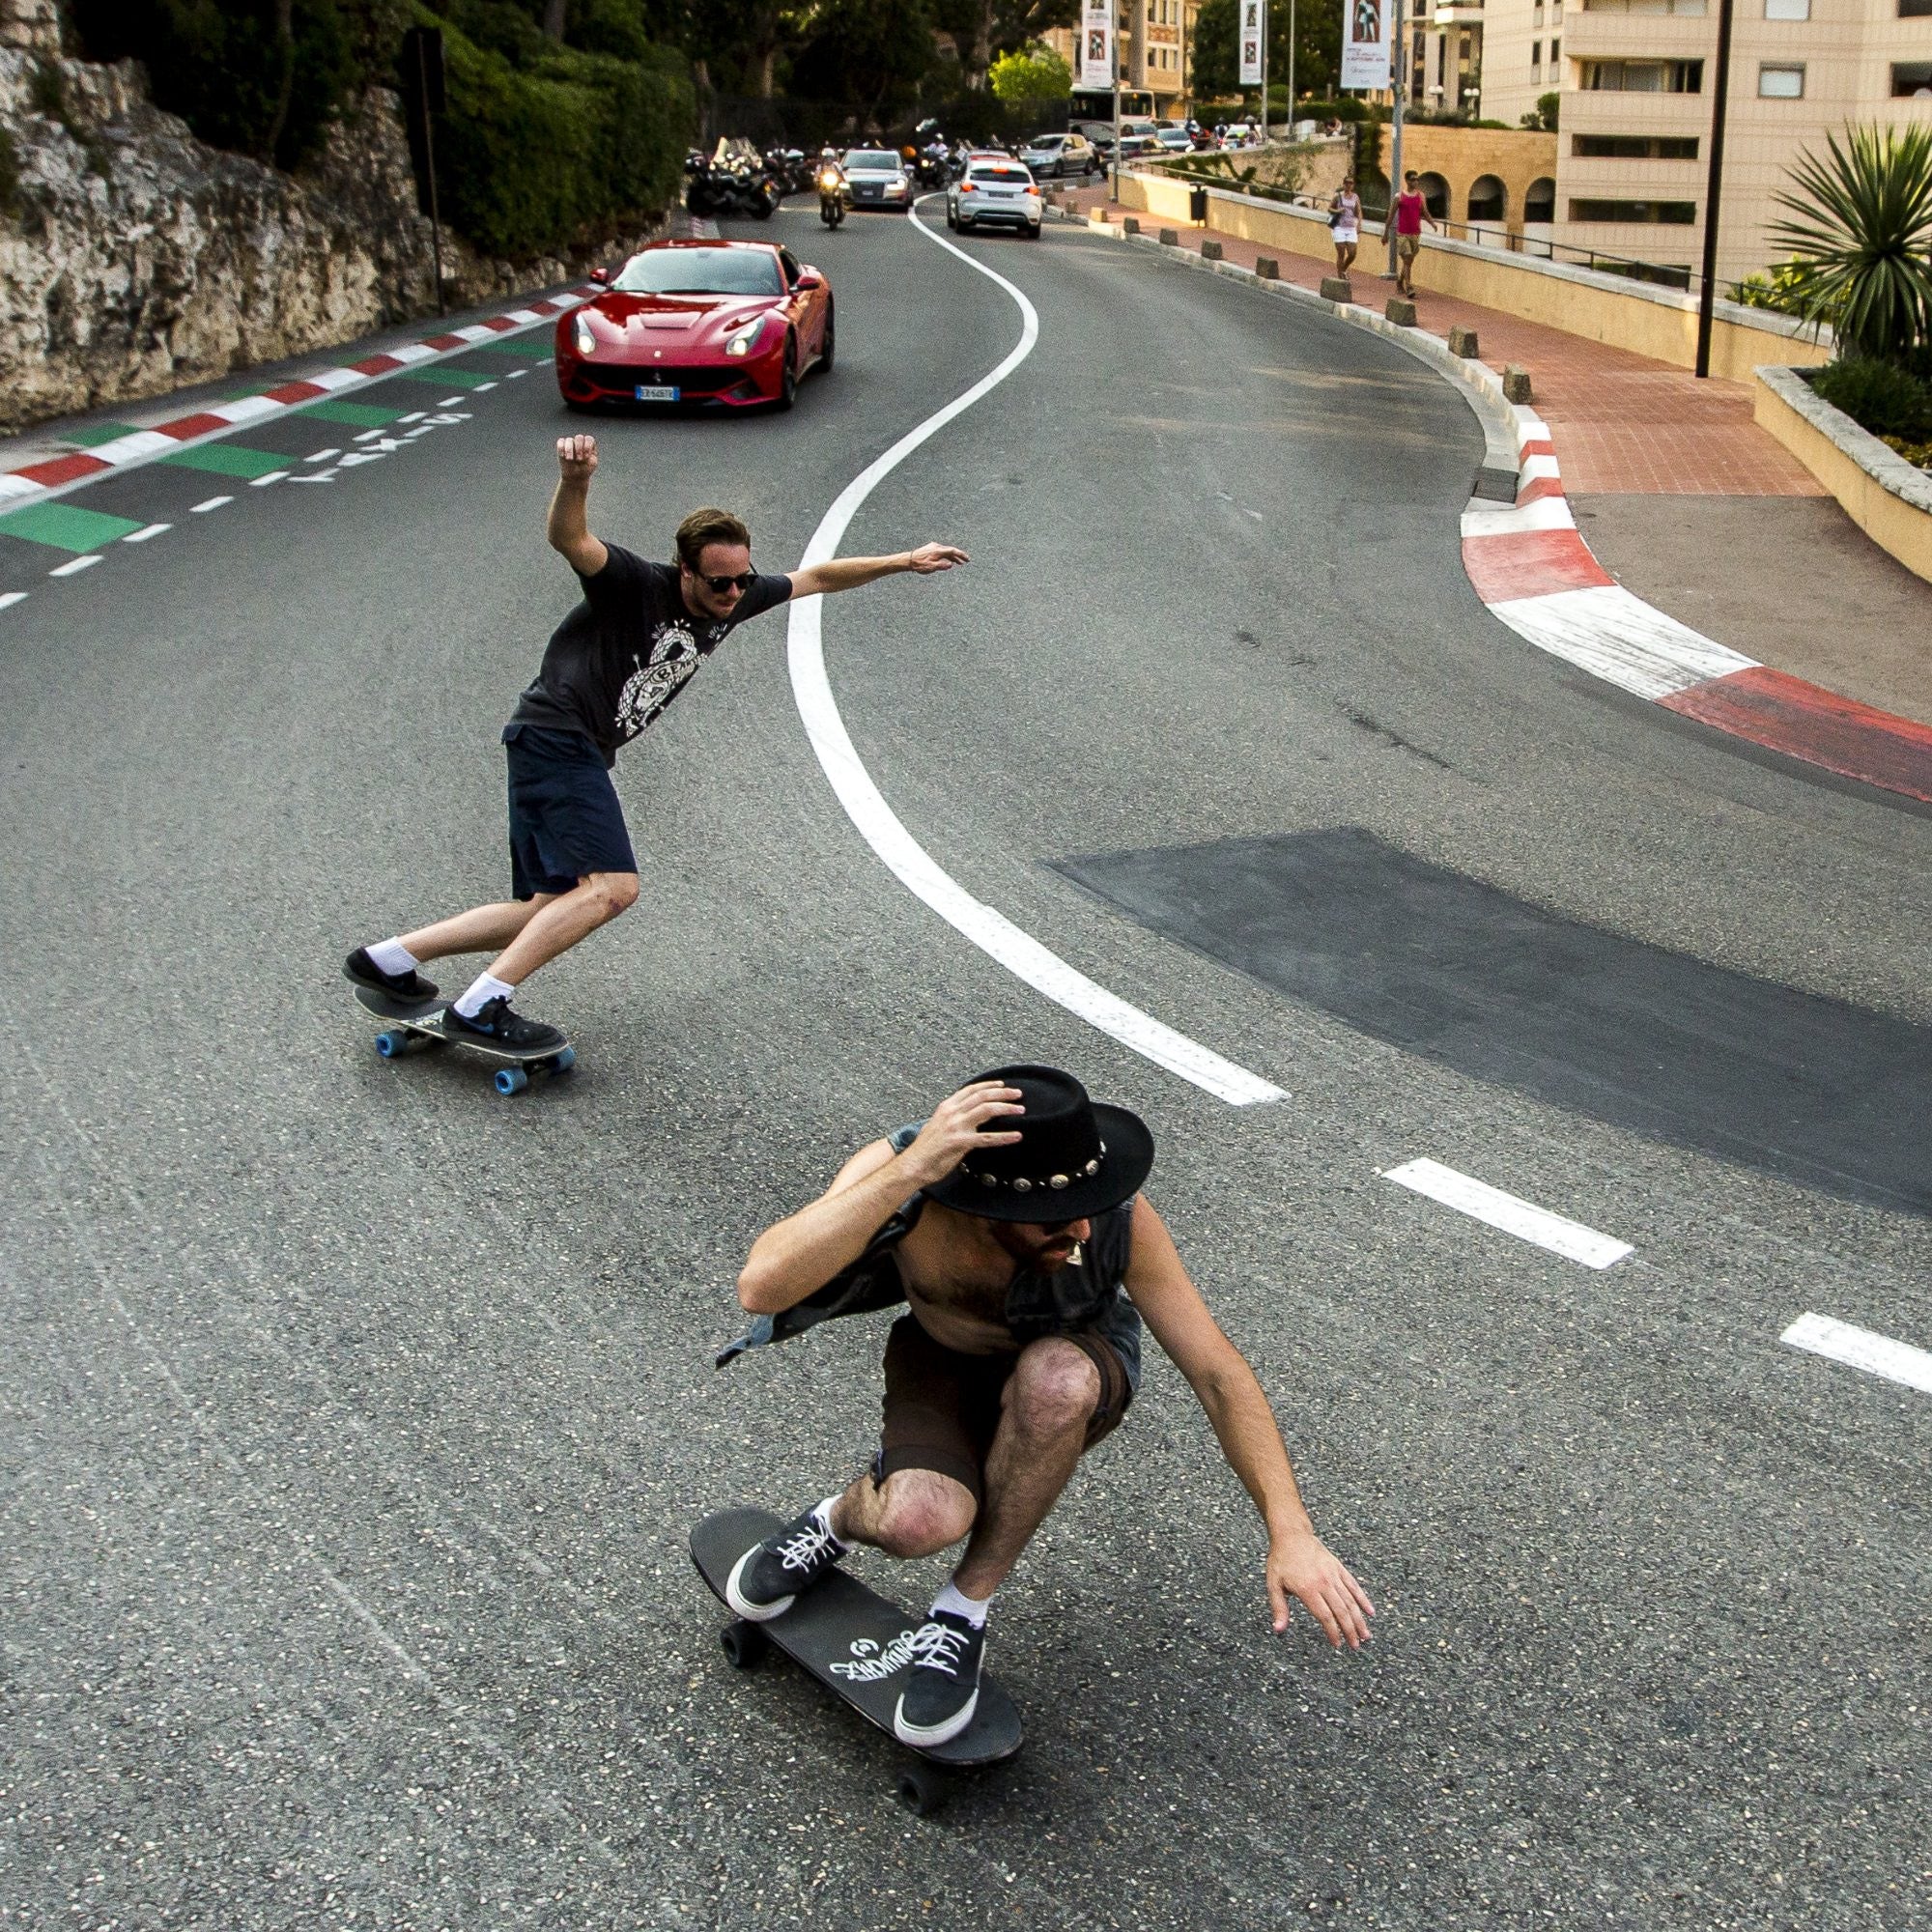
943 1690
410 985
496 1023
764 1581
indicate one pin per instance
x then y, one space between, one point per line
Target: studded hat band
1051 1182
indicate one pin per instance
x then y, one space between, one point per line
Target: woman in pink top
1410 212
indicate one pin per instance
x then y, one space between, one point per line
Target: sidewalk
1682 497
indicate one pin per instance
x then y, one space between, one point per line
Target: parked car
878 178
994 195
1059 156
1134 145
1175 141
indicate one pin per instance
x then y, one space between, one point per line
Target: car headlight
741 344
897 183
586 343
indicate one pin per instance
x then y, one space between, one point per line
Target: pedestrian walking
610 670
1345 224
1412 210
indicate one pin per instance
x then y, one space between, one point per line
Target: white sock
481 994
956 1602
392 955
824 1515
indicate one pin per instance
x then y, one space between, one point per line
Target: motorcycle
731 183
835 194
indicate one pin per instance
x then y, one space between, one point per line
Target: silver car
878 178
1059 156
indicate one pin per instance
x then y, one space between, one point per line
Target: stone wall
1462 155
136 260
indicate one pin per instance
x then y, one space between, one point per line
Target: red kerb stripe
1537 488
1772 708
182 428
499 323
295 392
63 469
442 342
1530 563
1543 448
375 365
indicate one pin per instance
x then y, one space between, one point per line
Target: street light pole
1713 188
1398 78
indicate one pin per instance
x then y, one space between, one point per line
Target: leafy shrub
1879 396
531 161
1036 73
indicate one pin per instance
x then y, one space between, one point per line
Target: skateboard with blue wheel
416 1026
858 1645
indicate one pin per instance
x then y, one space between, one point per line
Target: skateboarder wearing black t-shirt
611 668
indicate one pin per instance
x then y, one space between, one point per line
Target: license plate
655 392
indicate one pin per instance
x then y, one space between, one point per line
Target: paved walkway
1795 584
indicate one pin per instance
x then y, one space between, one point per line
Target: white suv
994 195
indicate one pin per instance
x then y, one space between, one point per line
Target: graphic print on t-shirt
674 656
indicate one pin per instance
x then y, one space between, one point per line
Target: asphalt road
355 1420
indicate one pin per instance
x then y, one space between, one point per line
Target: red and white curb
55 475
1531 565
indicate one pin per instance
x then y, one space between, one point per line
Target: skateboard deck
857 1644
415 1026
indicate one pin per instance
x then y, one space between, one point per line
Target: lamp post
1398 79
1712 187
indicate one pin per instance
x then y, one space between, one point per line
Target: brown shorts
942 1409
1407 248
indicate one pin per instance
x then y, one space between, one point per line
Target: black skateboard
857 1645
415 1026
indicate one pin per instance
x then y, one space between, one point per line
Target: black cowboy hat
1075 1157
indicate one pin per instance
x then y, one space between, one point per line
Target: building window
1780 83
1910 80
1914 10
1556 48
1635 147
1670 213
1536 60
1792 10
1691 6
1616 76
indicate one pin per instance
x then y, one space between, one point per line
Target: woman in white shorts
1344 223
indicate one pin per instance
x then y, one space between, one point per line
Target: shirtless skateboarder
611 667
1013 1224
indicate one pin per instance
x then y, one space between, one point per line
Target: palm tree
1862 239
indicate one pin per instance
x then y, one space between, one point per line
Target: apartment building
1635 78
1157 40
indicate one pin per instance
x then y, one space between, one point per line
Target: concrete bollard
1169 238
1463 342
1400 311
1515 384
1268 268
1211 251
1130 225
1336 288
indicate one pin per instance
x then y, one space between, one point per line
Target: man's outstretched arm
1299 1564
569 525
848 572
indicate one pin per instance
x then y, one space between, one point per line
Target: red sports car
697 322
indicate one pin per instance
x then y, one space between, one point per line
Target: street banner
1252 30
1365 44
1096 45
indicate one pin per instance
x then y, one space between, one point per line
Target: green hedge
531 161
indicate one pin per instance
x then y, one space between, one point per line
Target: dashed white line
370 435
413 416
1524 1219
1861 1348
8 597
481 387
996 935
212 503
449 402
514 373
262 482
78 564
322 456
147 535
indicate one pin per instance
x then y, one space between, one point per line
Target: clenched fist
576 458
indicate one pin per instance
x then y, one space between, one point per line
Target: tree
1862 238
1542 118
1036 73
983 30
869 55
1317 48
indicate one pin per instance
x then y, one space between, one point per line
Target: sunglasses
718 586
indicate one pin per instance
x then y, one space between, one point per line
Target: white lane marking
211 503
370 435
1860 1348
514 373
413 416
78 564
147 535
481 387
1546 513
1619 638
8 597
322 456
865 805
19 486
247 409
1524 1219
262 482
449 402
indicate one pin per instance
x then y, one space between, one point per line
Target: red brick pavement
1620 422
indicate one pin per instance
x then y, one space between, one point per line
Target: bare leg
597 899
912 1513
1049 1400
482 929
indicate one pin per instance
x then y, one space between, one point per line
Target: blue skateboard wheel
565 1059
512 1080
390 1044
